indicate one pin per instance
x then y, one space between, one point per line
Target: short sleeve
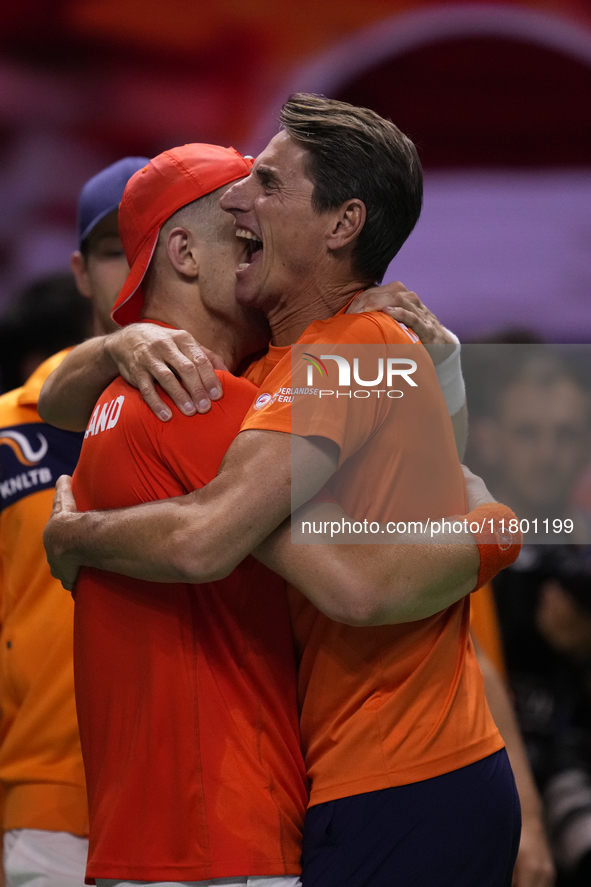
324 386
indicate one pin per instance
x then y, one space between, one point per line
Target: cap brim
92 225
130 301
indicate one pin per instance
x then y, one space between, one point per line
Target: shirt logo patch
44 451
262 401
21 446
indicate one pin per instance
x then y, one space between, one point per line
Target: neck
290 317
229 336
102 326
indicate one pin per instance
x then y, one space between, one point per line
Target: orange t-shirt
41 767
387 705
186 693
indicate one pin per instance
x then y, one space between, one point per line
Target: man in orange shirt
315 256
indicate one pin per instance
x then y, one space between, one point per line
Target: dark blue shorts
457 830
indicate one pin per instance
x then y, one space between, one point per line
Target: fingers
145 384
61 565
200 379
391 295
179 377
216 361
410 319
406 307
63 500
183 371
403 296
68 582
477 492
148 355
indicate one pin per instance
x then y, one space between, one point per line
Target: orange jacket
41 769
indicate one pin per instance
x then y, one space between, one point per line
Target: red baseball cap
169 181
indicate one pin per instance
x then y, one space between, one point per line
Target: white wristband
453 335
451 381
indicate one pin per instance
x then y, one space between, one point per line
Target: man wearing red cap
189 735
381 706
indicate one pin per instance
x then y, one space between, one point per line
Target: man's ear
79 270
182 248
350 219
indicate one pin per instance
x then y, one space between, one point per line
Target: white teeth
243 265
242 232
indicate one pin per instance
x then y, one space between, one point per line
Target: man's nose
235 198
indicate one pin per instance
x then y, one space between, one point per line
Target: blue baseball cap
103 192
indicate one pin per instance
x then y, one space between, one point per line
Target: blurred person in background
530 415
534 866
45 817
544 606
534 442
46 317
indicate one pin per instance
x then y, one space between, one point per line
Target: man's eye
266 181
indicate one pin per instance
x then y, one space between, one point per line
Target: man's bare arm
372 584
378 584
144 354
204 535
69 394
389 583
200 536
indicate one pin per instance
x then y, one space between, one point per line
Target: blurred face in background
101 271
538 443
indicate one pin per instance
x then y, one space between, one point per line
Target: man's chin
246 293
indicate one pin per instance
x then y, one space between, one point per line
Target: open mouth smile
253 245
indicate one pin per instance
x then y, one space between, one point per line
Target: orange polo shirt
40 759
386 705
